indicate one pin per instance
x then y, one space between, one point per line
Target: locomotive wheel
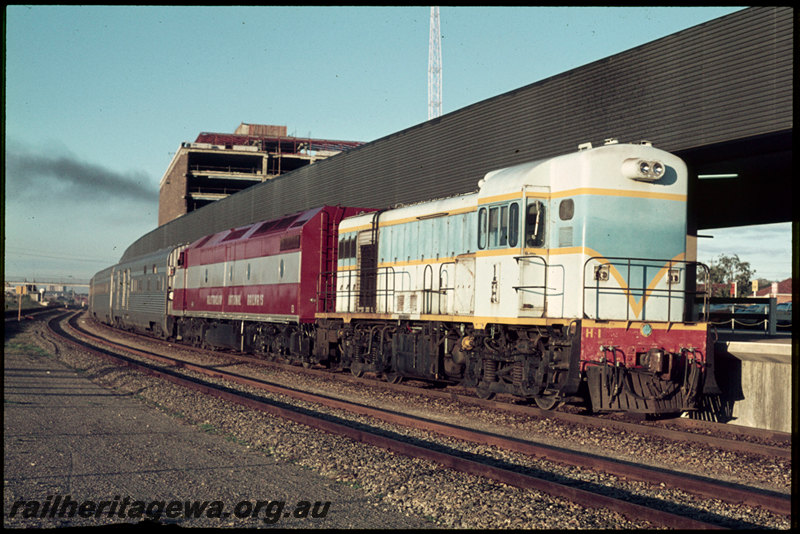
482 390
392 377
547 402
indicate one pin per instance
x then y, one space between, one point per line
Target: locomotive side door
464 299
367 272
367 264
533 262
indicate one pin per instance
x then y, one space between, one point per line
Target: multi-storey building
216 165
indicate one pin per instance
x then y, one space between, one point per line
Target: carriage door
112 292
126 288
532 263
367 261
176 278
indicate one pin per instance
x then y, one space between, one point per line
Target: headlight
639 169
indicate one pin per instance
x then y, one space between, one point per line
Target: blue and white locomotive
558 280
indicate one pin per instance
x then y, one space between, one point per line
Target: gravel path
66 435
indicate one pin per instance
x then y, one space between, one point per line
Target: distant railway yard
389 455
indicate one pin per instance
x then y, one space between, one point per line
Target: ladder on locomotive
329 241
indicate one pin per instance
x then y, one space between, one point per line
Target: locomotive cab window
498 226
513 224
503 237
482 228
494 223
347 248
534 224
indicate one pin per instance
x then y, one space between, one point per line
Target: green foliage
727 269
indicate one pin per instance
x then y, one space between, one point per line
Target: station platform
755 374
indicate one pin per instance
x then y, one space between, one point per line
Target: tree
726 270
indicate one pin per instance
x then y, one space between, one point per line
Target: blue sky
99 98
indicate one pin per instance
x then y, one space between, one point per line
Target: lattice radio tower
434 67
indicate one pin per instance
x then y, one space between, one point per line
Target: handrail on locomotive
645 292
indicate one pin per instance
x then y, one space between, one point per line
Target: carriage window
482 228
513 224
534 224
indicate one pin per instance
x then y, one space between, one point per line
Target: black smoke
31 175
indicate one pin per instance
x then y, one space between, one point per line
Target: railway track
723 437
585 494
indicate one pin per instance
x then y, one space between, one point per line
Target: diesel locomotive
563 280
